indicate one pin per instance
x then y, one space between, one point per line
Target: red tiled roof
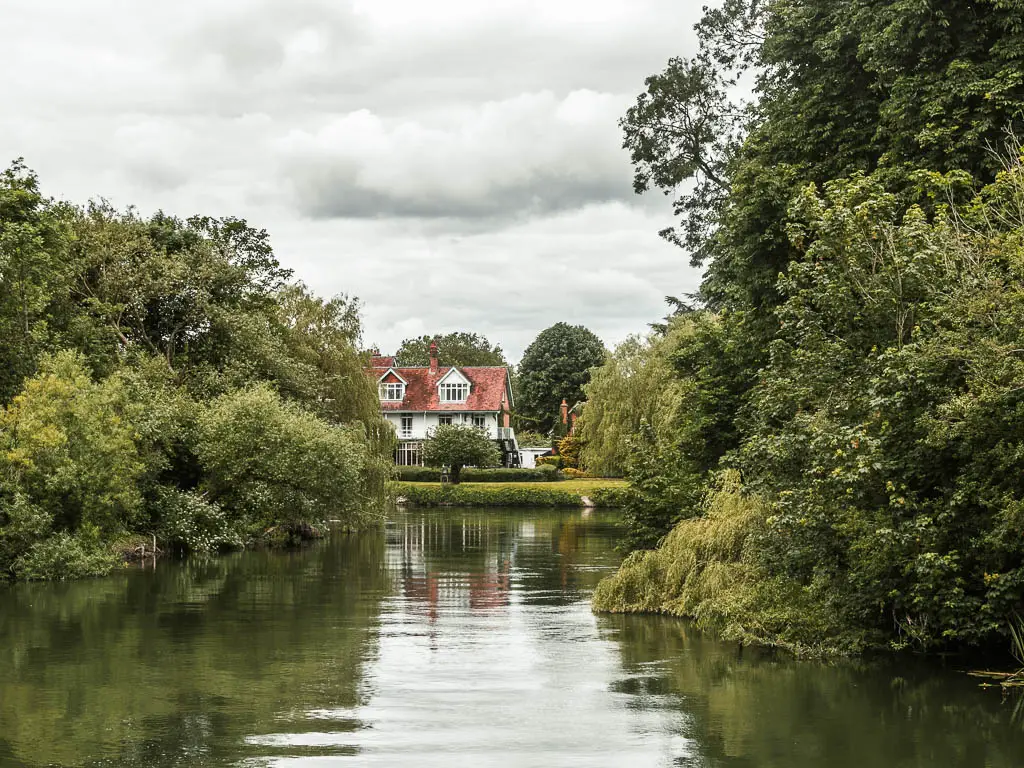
381 361
487 386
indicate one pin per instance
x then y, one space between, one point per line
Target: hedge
486 475
504 496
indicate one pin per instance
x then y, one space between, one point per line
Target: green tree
459 349
272 464
555 367
458 446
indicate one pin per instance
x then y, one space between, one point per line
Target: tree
271 463
458 446
555 367
458 349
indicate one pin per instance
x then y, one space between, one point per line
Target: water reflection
450 637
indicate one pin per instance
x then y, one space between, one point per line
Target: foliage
458 446
854 350
68 460
65 556
116 331
459 348
708 569
569 448
549 461
269 462
573 472
482 475
556 366
190 522
563 494
527 438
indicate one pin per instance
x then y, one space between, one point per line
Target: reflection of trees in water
750 708
466 557
183 663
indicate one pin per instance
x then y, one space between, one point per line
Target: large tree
555 367
459 348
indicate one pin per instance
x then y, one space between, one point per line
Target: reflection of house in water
451 564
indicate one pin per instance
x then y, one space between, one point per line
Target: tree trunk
456 475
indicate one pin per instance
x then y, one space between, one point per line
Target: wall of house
424 422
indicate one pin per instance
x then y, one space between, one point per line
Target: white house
417 399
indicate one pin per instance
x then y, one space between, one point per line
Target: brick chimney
565 411
433 358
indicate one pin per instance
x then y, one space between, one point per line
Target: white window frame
446 418
392 391
450 392
480 422
403 430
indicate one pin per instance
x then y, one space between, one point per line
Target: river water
450 638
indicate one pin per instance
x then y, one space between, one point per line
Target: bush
707 569
190 522
66 556
549 461
609 496
271 464
573 472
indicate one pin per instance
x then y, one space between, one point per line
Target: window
409 455
392 391
405 430
480 422
454 393
445 418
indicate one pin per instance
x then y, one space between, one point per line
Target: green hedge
487 475
506 496
477 496
609 497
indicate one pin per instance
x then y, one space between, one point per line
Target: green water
452 638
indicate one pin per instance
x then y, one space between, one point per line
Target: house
417 399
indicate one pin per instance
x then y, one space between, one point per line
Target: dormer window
454 392
392 390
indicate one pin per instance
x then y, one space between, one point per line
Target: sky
456 165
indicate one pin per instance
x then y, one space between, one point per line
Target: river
449 638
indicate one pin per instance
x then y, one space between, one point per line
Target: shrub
269 463
573 472
466 494
549 461
66 556
707 569
482 475
609 496
569 449
190 522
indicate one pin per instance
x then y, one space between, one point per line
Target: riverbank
579 492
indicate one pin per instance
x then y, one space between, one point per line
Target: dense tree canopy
554 367
165 376
857 358
458 348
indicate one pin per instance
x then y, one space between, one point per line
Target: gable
454 376
391 372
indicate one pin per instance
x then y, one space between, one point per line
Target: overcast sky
456 165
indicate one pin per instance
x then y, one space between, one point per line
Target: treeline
833 430
166 377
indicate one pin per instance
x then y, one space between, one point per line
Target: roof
381 361
487 387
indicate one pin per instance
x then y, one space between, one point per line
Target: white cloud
456 164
